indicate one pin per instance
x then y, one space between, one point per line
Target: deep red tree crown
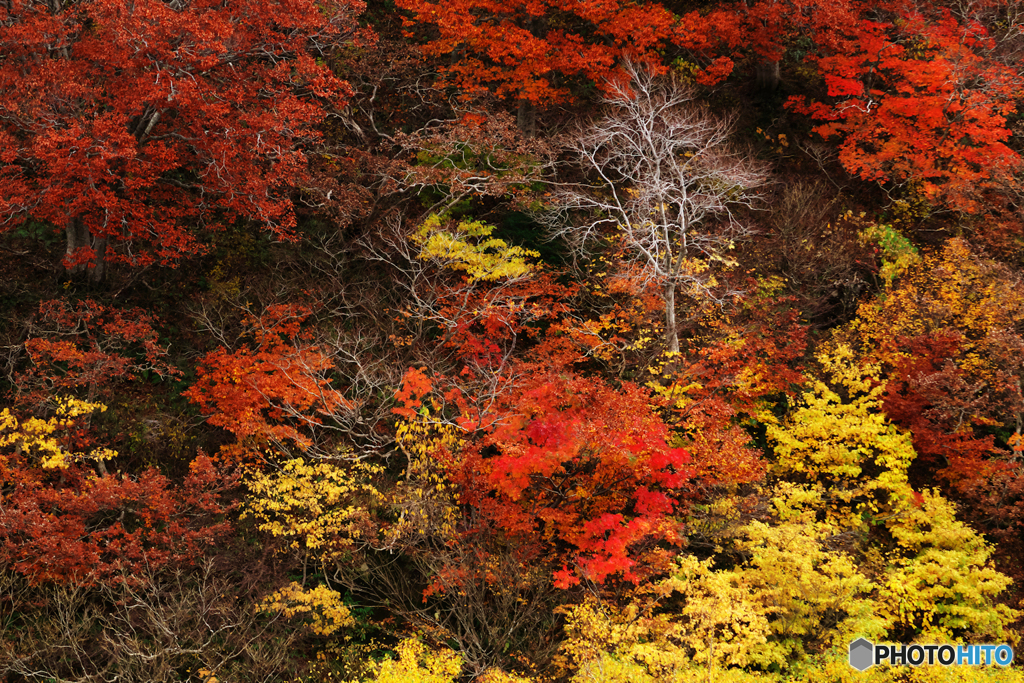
521 49
129 124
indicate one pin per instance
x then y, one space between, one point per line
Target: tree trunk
767 75
78 237
98 271
526 111
671 333
526 118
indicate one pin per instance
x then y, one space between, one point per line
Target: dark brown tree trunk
526 111
98 271
526 118
767 75
78 237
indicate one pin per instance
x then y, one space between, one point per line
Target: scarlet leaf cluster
586 470
919 100
133 123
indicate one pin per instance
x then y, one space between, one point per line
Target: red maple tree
127 125
918 100
586 471
533 50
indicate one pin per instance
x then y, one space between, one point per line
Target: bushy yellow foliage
834 667
41 437
319 507
939 580
963 674
723 620
953 289
852 461
831 667
468 246
815 596
322 605
607 668
850 468
632 634
426 501
418 664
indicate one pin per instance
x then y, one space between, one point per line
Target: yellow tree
321 511
847 464
947 336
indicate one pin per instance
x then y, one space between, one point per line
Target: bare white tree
664 180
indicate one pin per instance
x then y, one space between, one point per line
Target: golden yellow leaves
850 469
468 247
953 290
421 438
722 620
777 144
829 440
416 664
940 582
597 635
319 507
793 595
41 437
322 605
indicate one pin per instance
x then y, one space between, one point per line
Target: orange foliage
273 390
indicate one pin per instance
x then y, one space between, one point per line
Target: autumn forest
533 341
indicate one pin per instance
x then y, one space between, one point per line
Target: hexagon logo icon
862 654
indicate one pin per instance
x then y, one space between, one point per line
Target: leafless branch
661 179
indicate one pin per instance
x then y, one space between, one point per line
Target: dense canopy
525 341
